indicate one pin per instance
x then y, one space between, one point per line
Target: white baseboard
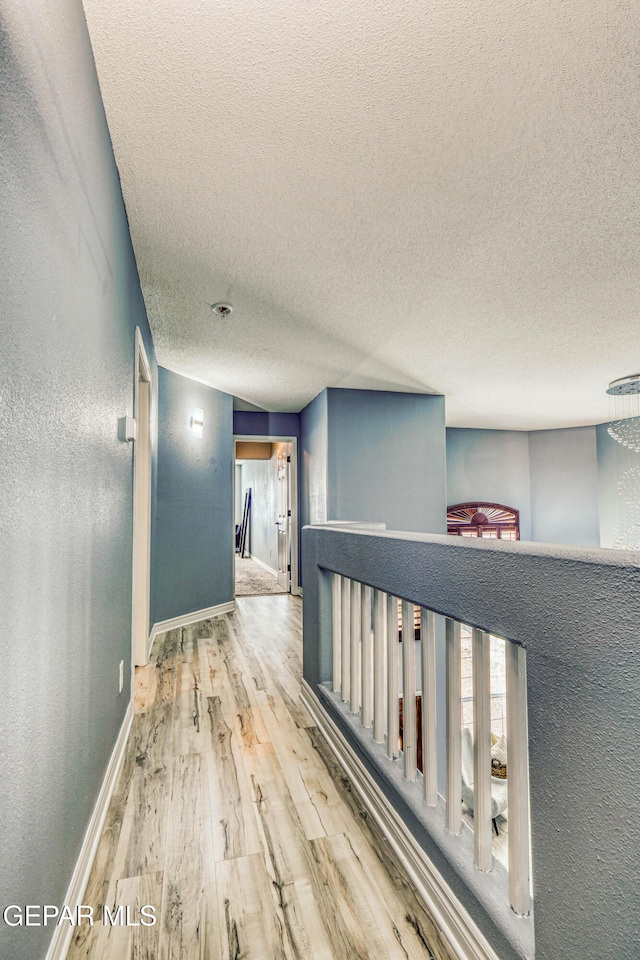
295 591
188 618
264 565
63 933
465 938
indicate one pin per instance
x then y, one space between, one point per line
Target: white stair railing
366 658
336 631
344 639
379 664
393 690
518 781
354 664
409 744
429 731
482 839
367 676
454 727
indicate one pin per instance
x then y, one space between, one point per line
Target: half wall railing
386 619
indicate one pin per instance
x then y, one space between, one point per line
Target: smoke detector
222 309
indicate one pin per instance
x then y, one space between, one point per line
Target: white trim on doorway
141 568
296 590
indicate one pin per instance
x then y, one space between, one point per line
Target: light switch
127 429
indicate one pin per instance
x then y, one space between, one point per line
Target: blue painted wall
313 461
491 465
262 424
70 302
192 563
386 459
564 486
550 476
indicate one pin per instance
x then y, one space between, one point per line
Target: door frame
283 457
141 559
293 496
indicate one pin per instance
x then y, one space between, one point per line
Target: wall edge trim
186 619
62 935
266 566
464 937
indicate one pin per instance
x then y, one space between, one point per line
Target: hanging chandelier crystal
629 484
624 406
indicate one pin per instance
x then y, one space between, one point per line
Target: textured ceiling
408 196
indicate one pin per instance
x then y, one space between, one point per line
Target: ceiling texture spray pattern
438 197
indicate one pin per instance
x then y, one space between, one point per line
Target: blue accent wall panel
564 486
313 461
193 554
386 459
253 423
550 476
490 465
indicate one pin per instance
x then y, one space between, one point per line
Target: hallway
228 820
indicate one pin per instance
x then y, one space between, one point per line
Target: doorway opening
265 516
141 506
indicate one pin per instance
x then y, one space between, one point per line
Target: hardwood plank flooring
234 821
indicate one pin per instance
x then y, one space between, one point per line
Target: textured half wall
70 304
192 563
576 612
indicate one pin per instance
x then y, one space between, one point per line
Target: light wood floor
232 819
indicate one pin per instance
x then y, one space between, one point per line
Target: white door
284 520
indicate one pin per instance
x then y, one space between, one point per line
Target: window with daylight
492 521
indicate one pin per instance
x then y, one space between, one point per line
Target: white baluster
409 691
454 712
393 696
480 645
336 623
518 780
345 633
429 740
366 656
354 672
379 651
